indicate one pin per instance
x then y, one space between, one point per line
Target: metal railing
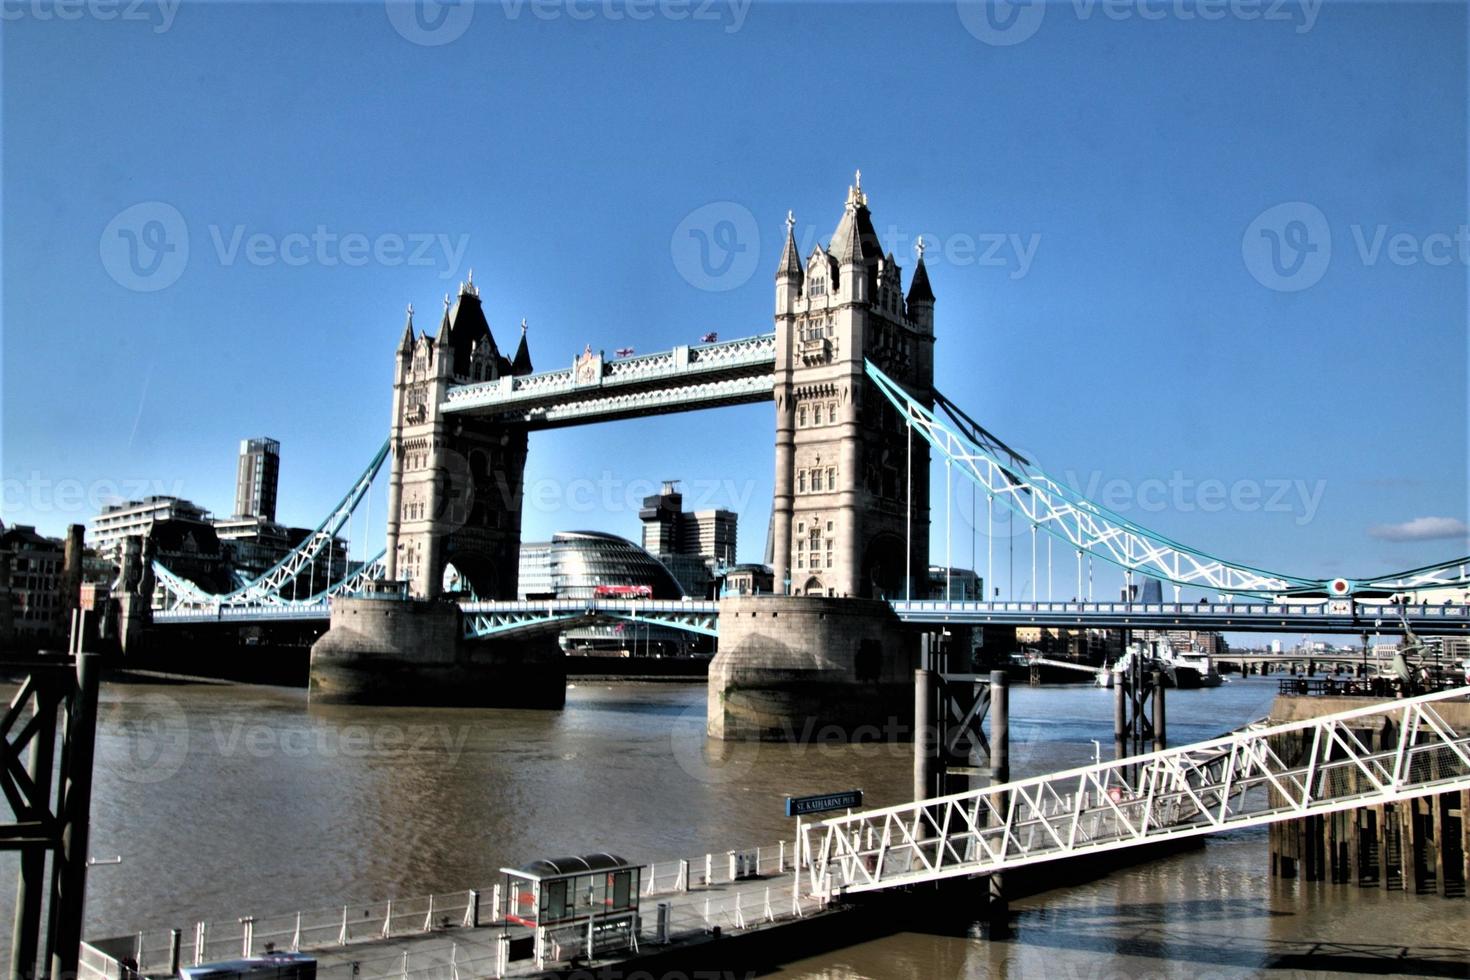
1236 781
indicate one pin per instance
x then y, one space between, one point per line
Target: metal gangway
1254 776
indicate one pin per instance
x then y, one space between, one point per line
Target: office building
256 476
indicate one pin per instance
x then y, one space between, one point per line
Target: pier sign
800 806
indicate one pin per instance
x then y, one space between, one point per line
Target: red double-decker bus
623 591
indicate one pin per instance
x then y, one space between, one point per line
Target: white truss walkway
1198 789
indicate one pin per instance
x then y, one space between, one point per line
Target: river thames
224 801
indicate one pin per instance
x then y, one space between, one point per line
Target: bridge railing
1236 781
713 891
678 362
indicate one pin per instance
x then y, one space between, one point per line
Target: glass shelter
575 906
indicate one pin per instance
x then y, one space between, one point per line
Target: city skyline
1079 277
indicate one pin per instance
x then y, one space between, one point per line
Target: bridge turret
921 294
405 346
789 277
521 363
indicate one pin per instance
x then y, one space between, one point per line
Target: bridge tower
454 498
455 487
842 523
825 655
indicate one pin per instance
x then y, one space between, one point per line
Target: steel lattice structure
1089 527
486 619
180 593
1240 780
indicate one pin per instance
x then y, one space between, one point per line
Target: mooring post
69 876
175 945
1000 773
926 742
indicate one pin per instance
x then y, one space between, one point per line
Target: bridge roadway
486 619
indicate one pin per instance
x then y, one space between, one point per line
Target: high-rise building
255 479
693 544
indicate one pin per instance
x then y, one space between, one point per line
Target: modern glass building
573 564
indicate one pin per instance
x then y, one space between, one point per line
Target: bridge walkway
1240 780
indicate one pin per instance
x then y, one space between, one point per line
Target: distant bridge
506 618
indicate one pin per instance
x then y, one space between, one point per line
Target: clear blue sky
1128 331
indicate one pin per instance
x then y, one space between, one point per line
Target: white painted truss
1241 780
687 376
180 593
1089 527
486 619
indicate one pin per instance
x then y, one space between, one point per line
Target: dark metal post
1000 773
175 943
31 887
1120 714
69 876
1161 741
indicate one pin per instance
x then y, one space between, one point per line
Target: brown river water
224 801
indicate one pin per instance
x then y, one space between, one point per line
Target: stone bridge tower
841 515
455 487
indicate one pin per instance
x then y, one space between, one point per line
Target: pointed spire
406 344
468 287
521 363
919 289
855 196
445 327
790 267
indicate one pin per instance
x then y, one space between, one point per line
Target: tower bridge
857 420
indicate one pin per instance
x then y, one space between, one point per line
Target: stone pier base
805 668
407 652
